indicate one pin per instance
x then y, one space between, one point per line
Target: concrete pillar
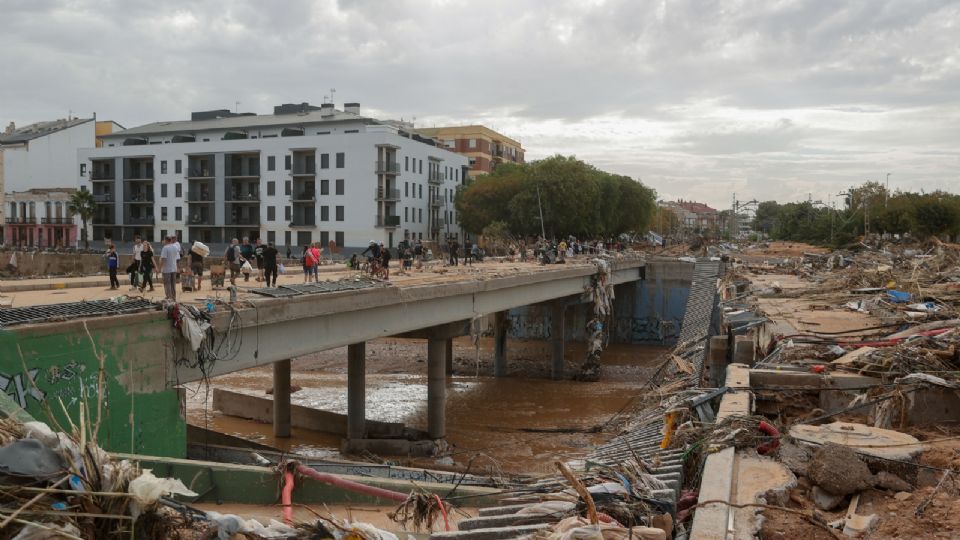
436 388
356 391
500 344
717 361
448 356
557 329
743 350
281 398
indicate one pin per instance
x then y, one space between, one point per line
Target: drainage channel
73 310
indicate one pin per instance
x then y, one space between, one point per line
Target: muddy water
489 420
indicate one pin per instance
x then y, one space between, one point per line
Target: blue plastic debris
898 297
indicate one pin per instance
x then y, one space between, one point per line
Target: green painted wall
139 414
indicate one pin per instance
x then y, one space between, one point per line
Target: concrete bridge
146 360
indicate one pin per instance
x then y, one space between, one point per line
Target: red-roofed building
694 216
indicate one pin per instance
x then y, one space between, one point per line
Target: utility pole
543 231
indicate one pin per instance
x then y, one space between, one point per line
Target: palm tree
82 204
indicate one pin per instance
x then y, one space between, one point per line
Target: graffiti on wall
68 382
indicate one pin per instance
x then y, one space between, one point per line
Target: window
163 213
406 214
163 167
341 157
271 236
271 163
83 169
406 189
178 189
163 190
287 212
286 238
163 234
324 161
178 213
286 163
271 213
178 167
406 163
472 143
421 191
339 186
324 187
271 188
287 188
323 133
420 213
338 236
449 143
179 234
339 213
324 238
421 166
324 213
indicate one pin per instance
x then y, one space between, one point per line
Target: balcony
139 175
303 223
101 221
56 221
147 220
388 167
436 200
98 176
306 196
103 198
435 178
387 194
21 220
140 198
243 197
387 221
199 197
252 220
439 223
304 170
200 222
201 173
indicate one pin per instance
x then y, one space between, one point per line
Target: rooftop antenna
236 107
332 92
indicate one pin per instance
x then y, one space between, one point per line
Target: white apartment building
303 174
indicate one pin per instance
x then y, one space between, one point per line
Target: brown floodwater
488 419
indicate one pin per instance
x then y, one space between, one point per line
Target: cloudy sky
770 99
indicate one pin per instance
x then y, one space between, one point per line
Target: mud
492 423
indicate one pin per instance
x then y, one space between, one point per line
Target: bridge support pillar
436 388
448 358
557 329
281 398
356 391
500 344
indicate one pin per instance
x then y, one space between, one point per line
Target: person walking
258 255
317 253
308 263
147 265
196 266
113 262
418 254
169 255
269 256
134 268
385 259
246 251
233 260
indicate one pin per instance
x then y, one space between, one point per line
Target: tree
82 204
935 214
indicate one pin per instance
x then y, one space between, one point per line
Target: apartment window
286 162
83 169
163 213
406 189
339 186
324 187
351 131
271 163
420 214
324 213
421 166
163 234
163 190
178 213
324 238
287 212
324 161
339 213
472 143
163 167
271 213
449 143
338 237
178 189
271 188
177 167
272 236
421 190
405 214
287 188
323 133
341 157
406 163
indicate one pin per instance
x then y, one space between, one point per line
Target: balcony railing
139 176
198 197
142 198
200 222
147 220
305 196
435 178
387 194
304 170
388 167
243 197
21 220
56 221
303 223
243 221
436 200
387 221
240 172
200 173
439 223
103 198
100 221
102 175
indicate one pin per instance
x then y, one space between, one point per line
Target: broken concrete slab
857 526
758 480
866 440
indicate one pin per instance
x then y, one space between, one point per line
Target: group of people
240 257
470 253
145 263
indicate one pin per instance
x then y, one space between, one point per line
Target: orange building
485 147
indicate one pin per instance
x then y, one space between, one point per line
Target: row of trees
575 199
868 208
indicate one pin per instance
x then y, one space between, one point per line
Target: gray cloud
697 98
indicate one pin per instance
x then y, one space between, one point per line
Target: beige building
485 147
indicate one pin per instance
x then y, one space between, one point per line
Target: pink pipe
286 497
350 485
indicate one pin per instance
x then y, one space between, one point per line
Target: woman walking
147 264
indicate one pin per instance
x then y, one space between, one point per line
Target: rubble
837 470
